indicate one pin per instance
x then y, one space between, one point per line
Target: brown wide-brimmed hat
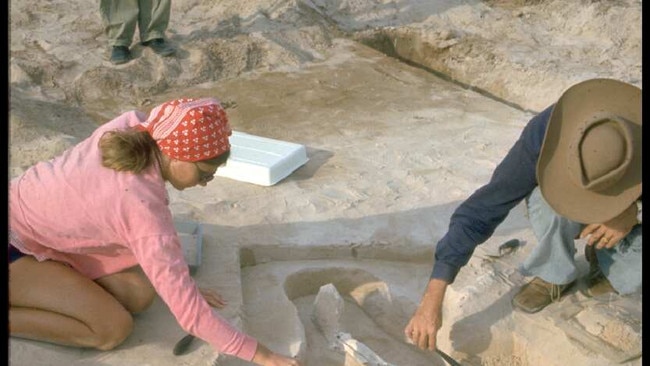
589 167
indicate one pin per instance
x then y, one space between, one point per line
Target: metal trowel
508 247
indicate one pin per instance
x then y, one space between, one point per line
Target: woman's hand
265 357
213 298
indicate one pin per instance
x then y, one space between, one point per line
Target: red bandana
189 129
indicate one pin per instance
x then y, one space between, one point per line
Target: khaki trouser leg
153 19
120 18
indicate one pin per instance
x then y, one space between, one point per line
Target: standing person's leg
153 19
153 22
120 18
552 261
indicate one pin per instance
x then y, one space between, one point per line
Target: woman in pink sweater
92 238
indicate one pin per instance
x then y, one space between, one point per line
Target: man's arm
424 325
473 222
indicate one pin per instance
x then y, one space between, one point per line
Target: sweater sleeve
475 220
114 220
142 217
161 258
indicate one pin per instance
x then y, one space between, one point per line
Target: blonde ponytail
128 150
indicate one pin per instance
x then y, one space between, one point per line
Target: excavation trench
377 303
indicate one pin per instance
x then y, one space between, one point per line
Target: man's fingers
423 340
432 343
408 331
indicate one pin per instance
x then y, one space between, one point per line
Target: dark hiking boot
160 47
120 55
597 283
537 294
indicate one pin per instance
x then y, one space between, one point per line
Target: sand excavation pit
298 299
370 312
311 307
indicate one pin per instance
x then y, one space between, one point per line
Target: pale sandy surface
393 150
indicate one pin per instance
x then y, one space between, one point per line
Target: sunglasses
204 177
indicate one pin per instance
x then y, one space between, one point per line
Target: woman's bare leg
131 288
51 302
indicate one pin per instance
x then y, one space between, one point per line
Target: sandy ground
405 107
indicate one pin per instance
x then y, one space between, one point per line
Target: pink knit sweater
73 210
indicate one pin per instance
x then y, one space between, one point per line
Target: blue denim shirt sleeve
475 220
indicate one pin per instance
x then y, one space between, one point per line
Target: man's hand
608 234
423 327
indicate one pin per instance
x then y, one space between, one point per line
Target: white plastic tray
261 160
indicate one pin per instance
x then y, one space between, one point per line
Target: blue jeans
553 259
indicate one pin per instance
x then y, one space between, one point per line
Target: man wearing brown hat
577 165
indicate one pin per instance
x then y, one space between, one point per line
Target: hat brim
576 105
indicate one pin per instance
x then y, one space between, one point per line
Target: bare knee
131 288
113 332
141 294
50 301
141 300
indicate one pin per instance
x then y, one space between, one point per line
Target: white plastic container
261 160
191 236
